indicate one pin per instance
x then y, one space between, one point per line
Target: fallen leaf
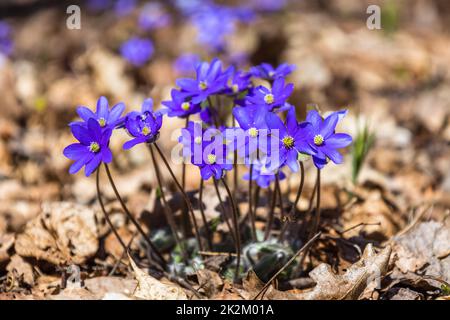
149 288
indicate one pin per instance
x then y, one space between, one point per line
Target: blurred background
394 80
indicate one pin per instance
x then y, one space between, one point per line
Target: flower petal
333 154
338 140
93 164
85 113
329 125
102 108
75 151
116 112
81 133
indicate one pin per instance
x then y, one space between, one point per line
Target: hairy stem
271 213
317 215
224 210
250 205
183 165
205 222
133 220
185 196
236 227
169 214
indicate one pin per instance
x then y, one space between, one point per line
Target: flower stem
222 206
205 222
133 220
297 199
113 229
185 196
271 213
169 214
317 215
183 165
250 205
236 228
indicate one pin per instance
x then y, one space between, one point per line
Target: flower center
211 158
185 106
318 140
253 132
146 131
268 98
202 85
198 140
94 147
102 122
288 142
235 88
271 73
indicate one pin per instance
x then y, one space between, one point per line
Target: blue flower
206 149
271 98
179 106
324 139
240 81
252 120
185 63
124 7
143 126
292 139
6 43
153 16
210 80
137 51
268 72
92 148
263 174
104 116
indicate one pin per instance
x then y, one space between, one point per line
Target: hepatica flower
292 137
153 16
324 139
137 51
206 149
210 79
6 43
239 82
103 115
268 72
92 148
271 98
252 120
185 63
143 126
179 106
263 174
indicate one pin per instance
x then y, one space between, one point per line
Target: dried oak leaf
149 288
426 248
330 286
62 233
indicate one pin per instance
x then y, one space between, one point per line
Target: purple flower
292 139
185 63
153 16
6 43
124 7
266 71
210 80
252 120
179 106
323 137
137 51
263 174
271 98
92 148
240 81
103 115
206 150
143 126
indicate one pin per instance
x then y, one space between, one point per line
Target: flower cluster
267 136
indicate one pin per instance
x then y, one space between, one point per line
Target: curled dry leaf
62 233
149 288
330 286
425 248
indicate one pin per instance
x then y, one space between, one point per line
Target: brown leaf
149 288
63 233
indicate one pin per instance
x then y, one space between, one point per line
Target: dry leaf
149 288
63 233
